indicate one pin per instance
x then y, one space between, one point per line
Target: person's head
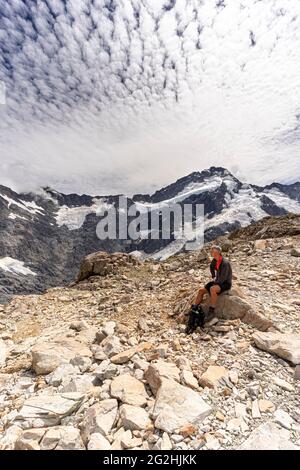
216 252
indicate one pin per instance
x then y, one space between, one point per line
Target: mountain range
44 235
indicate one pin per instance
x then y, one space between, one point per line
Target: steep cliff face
50 232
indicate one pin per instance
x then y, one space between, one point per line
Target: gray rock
111 345
55 378
82 362
295 252
106 370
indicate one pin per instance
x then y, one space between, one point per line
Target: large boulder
268 436
129 390
50 409
46 357
231 305
102 264
284 345
177 405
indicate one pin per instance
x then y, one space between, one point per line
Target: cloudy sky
110 96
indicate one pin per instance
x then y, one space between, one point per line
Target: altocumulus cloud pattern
125 95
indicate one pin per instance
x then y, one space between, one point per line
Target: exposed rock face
286 346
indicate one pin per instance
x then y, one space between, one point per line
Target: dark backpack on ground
196 317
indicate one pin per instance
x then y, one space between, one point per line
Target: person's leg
200 296
214 291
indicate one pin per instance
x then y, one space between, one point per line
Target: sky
126 96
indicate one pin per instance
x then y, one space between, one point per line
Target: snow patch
74 217
15 266
30 207
13 216
244 207
282 200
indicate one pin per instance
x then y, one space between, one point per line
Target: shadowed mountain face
44 236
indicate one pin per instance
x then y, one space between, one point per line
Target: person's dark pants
224 286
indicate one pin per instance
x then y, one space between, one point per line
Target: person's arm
224 275
212 269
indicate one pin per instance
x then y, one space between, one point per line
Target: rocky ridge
105 362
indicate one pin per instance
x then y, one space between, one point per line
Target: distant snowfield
30 207
74 217
15 266
282 200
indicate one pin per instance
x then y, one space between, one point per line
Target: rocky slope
44 236
105 362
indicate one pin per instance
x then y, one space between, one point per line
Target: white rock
50 408
78 383
134 417
188 379
98 442
159 370
283 418
176 406
284 345
55 378
255 410
129 390
268 436
283 384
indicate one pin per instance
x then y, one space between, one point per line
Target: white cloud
126 96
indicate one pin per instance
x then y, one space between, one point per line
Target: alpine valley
44 235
